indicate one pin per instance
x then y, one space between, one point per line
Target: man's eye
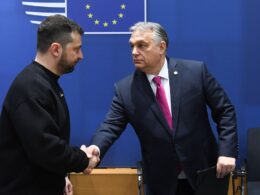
77 50
142 46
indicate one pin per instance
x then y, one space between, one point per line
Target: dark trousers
184 188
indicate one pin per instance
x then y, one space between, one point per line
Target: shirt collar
163 72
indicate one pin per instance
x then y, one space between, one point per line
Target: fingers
225 165
93 154
68 189
93 161
91 150
87 171
84 149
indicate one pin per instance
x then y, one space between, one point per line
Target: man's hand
225 165
68 189
93 154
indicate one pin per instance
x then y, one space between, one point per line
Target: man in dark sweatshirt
34 123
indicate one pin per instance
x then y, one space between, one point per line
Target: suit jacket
192 143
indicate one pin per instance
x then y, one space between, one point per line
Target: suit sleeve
223 114
113 125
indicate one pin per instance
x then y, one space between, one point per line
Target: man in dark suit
34 123
172 150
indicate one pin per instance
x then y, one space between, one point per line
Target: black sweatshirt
34 136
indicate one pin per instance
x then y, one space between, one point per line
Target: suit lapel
174 76
143 86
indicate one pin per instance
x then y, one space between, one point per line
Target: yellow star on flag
96 22
88 6
105 24
123 6
120 15
114 22
90 15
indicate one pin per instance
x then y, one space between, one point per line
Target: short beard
64 66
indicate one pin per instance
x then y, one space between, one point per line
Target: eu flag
95 16
106 16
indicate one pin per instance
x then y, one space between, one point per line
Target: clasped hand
93 154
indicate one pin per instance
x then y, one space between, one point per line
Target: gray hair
159 32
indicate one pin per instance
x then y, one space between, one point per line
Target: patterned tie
161 99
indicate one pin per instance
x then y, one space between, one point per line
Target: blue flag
95 16
107 16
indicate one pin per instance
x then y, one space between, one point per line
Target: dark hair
159 32
56 28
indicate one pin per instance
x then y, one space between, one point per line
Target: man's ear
163 47
56 49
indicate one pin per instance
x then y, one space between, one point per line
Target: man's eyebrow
138 41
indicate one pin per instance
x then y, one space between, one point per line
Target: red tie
161 99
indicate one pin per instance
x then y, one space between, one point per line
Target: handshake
93 154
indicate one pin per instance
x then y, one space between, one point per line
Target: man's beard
65 66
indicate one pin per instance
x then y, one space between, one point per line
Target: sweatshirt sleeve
40 137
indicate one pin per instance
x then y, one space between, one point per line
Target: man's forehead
141 35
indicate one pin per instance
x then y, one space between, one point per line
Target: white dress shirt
164 74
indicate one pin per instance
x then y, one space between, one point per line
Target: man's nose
80 55
135 51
